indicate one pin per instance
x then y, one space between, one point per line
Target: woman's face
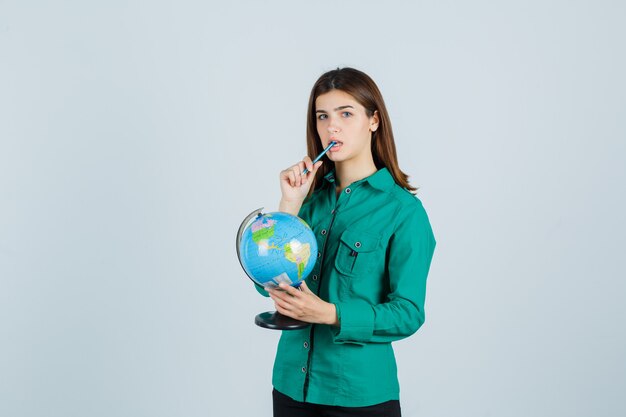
342 119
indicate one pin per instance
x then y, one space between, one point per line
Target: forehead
335 98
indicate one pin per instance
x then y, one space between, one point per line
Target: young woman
375 247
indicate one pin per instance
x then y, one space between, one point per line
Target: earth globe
273 248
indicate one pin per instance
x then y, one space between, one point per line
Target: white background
135 136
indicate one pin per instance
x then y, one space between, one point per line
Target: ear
374 121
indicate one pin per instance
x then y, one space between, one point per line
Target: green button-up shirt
375 247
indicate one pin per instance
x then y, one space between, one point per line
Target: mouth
337 145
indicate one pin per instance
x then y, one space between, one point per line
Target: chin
336 158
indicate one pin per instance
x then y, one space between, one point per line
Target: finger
279 309
283 311
274 292
316 166
297 175
308 164
305 288
282 304
292 178
285 297
286 304
309 167
290 290
284 174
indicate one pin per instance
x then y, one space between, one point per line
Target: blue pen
333 143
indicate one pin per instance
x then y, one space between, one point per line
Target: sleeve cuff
356 322
261 290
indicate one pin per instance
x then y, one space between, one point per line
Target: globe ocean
278 247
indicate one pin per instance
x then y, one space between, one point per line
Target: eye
346 114
322 117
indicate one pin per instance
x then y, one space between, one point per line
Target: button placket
323 232
316 284
344 196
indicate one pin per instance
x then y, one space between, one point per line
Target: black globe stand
276 321
270 319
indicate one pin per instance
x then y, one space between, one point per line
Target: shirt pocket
356 251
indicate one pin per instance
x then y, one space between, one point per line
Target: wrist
291 207
332 315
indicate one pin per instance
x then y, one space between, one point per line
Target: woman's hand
294 186
303 304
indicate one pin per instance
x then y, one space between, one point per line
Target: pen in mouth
333 143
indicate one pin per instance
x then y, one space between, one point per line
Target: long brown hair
360 86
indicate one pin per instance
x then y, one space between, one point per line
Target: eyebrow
337 109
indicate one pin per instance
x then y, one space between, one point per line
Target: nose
333 129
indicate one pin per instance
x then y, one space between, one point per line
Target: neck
351 171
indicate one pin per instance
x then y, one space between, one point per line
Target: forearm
361 322
396 320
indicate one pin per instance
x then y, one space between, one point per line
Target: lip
337 146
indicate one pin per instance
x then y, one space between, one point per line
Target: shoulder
404 196
410 210
406 201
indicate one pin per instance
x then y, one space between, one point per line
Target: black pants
285 406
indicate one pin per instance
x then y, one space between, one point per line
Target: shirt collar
330 177
381 179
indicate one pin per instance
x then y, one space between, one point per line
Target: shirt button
357 244
319 254
332 212
304 369
348 191
323 232
306 345
314 277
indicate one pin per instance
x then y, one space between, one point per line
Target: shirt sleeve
261 290
411 249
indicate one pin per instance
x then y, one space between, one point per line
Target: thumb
316 166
